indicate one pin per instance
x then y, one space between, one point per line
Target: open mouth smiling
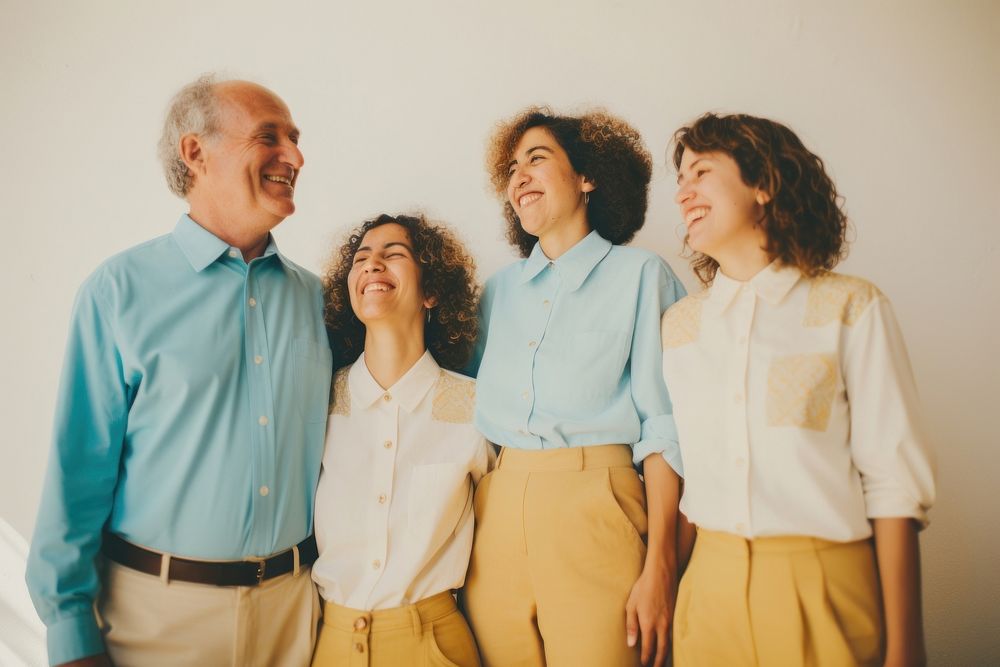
285 180
376 286
528 199
695 214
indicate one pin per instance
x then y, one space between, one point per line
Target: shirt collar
772 284
409 390
574 265
202 247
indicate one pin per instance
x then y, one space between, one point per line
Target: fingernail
631 641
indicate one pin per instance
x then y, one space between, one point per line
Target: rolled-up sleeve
888 445
658 290
90 422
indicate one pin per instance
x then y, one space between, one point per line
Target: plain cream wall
395 101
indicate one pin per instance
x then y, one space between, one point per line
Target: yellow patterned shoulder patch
454 399
681 323
340 394
834 297
800 390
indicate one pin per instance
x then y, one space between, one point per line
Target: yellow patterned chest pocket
800 390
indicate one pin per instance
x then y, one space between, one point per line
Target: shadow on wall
22 635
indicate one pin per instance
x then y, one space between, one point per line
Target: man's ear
191 151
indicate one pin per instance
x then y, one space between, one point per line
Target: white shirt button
376 564
264 490
741 462
258 359
532 344
387 444
737 398
381 499
263 420
252 301
234 253
386 396
546 303
524 395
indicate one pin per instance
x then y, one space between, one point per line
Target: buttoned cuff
73 637
659 436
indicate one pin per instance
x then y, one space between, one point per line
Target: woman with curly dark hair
806 473
394 519
567 567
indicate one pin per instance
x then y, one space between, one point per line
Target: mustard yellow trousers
430 633
558 547
778 601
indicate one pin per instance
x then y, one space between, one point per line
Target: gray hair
193 110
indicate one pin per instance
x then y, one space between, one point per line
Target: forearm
662 497
897 551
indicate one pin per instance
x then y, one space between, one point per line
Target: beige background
395 101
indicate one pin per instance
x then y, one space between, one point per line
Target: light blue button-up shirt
191 418
569 351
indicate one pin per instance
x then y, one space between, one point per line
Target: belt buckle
260 571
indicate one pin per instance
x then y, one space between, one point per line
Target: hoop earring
428 316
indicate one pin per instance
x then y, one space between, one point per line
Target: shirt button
381 499
262 421
386 396
737 398
741 462
532 344
264 490
258 360
360 624
387 444
252 301
376 564
233 253
546 303
359 647
524 395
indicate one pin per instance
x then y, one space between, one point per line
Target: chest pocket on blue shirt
312 379
593 364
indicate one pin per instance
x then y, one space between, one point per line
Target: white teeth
529 198
695 214
375 287
279 179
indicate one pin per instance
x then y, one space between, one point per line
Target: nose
518 177
684 192
292 156
373 264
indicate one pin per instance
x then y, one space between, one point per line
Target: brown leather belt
221 573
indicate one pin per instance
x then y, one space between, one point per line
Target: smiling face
546 192
385 279
246 172
721 212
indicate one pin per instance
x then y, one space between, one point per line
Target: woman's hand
649 611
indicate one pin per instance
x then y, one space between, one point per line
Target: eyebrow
529 152
680 176
387 245
274 126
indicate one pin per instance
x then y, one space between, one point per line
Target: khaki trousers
558 547
781 601
430 633
148 622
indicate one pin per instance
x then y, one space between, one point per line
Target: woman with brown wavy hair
394 521
806 473
574 558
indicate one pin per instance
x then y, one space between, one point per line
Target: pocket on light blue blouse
313 363
594 362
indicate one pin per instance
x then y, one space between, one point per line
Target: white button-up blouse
394 519
796 408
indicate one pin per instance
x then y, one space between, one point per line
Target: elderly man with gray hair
176 515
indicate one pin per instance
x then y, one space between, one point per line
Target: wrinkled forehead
243 102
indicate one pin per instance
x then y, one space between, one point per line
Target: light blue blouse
569 351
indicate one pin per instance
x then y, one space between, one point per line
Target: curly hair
602 147
804 220
193 110
447 273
